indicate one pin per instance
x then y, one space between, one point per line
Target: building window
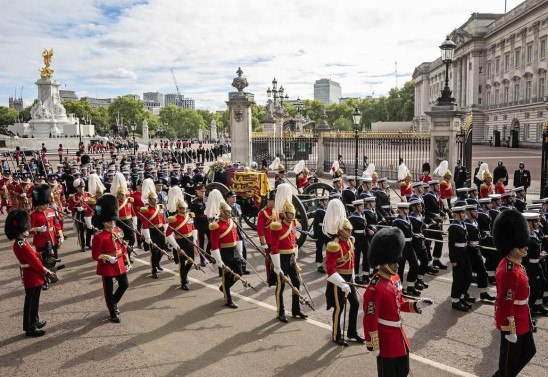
495 118
479 89
539 131
506 91
488 98
516 91
507 62
529 54
479 101
526 115
517 56
542 52
489 69
528 88
540 114
497 96
504 117
541 87
526 132
497 65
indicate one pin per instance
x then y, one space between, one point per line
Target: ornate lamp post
133 128
278 111
356 118
447 50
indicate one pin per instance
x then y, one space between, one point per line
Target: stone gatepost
322 128
445 124
145 129
239 105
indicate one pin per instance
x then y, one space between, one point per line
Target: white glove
240 248
277 264
217 255
112 259
376 353
89 225
146 234
173 242
339 282
296 252
134 222
79 209
512 338
61 240
43 228
424 302
23 195
195 235
128 267
165 227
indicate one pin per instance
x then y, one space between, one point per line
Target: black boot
439 265
460 306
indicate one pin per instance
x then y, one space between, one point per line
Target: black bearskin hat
510 230
17 222
85 159
386 247
426 167
41 195
174 181
272 195
106 209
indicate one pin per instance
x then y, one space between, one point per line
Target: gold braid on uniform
511 325
374 340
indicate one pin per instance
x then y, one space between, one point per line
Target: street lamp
133 128
356 118
447 50
278 111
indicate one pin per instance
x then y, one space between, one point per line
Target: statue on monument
46 72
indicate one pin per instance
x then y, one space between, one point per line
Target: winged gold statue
46 72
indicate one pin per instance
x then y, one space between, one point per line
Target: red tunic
283 237
426 178
109 243
49 219
154 215
383 300
406 189
512 298
446 190
24 195
486 189
339 257
14 199
302 182
265 218
32 269
77 202
4 188
499 188
180 225
125 209
223 234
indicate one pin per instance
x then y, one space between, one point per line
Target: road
169 332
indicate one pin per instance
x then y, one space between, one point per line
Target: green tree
314 109
24 114
257 113
188 123
7 116
128 110
343 124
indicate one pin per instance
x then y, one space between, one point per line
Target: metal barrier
290 148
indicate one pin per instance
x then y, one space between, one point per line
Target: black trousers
30 310
184 266
478 267
159 239
339 297
515 356
289 268
113 297
462 275
536 282
491 258
436 253
129 235
232 260
244 250
321 241
81 229
410 257
360 252
393 366
202 235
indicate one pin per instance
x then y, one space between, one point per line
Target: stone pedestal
213 130
239 107
445 124
145 129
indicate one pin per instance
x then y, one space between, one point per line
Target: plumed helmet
17 222
289 208
79 182
440 171
274 164
486 174
386 247
223 206
447 173
119 185
214 200
41 195
297 169
367 173
95 186
175 199
284 194
106 209
335 216
403 172
484 167
510 230
426 167
374 176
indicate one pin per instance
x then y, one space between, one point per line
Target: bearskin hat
426 167
510 230
41 195
106 209
386 247
17 222
272 195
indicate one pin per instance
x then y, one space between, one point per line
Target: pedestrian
490 141
60 152
522 177
512 316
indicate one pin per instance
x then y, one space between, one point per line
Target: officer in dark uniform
531 262
359 229
197 206
486 241
372 218
236 214
522 177
280 179
349 194
187 183
460 175
433 220
460 260
382 202
408 255
321 238
417 223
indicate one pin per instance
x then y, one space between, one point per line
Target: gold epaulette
483 185
71 196
130 199
91 201
275 225
171 219
144 209
214 225
402 184
333 247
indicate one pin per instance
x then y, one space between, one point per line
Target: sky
107 48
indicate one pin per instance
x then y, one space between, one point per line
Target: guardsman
4 190
519 201
127 217
59 201
137 196
153 225
403 223
321 238
24 193
460 260
302 178
512 315
12 188
486 188
405 186
382 303
359 232
197 206
77 206
382 199
417 223
499 186
109 250
446 188
284 252
531 262
433 218
426 177
180 233
340 267
224 240
230 198
266 216
33 272
486 241
474 252
349 194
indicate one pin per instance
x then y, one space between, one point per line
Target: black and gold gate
464 145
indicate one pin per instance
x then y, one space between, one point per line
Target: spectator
500 172
60 151
491 141
522 177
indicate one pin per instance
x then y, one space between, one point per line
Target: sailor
359 232
417 223
433 218
317 226
460 260
531 262
486 241
408 255
349 193
519 201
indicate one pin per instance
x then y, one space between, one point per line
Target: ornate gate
464 143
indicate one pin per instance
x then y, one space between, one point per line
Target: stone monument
213 130
239 105
145 129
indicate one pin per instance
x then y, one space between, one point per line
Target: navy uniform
321 238
520 202
201 224
417 224
359 232
382 201
531 262
433 220
460 259
408 254
484 225
349 195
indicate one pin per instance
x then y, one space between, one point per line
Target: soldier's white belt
359 231
389 323
521 302
408 239
534 260
474 244
24 265
321 224
460 244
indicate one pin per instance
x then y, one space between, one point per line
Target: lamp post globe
447 49
356 119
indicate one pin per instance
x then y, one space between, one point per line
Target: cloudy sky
106 48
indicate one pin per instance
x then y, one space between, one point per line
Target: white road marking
432 363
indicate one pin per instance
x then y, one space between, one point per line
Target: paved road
169 332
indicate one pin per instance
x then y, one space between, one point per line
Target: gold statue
46 72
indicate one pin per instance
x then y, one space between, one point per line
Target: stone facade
498 74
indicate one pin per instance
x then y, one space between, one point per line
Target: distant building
327 91
68 95
15 103
179 100
134 96
156 97
97 102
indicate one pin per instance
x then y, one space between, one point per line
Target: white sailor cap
534 207
402 205
508 194
350 177
531 216
471 207
494 197
462 189
369 199
539 201
414 202
366 179
417 184
357 202
458 209
484 200
433 182
518 189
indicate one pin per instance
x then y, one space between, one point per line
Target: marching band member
284 252
512 315
153 226
382 303
5 183
110 253
33 272
59 201
24 193
339 262
77 206
127 218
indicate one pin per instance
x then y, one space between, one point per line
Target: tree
314 109
128 110
257 114
188 123
343 124
7 116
